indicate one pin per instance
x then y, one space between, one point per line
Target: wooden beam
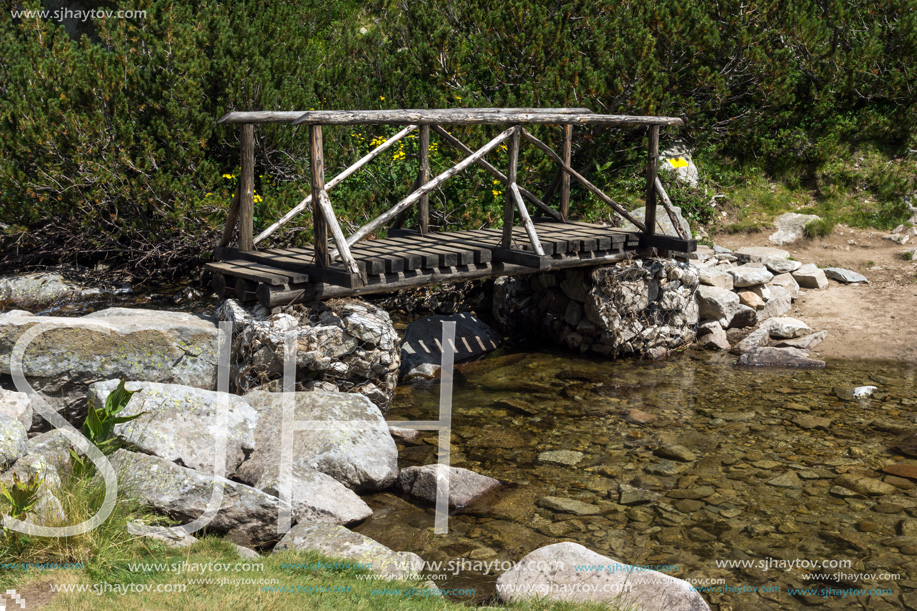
667 204
422 178
324 204
317 168
335 181
509 204
425 117
651 169
598 192
666 242
247 189
526 220
450 139
411 199
565 178
231 217
273 116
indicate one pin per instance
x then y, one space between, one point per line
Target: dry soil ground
878 320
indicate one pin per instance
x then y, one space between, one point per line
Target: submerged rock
766 356
464 485
423 339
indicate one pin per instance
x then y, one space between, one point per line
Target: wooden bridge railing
324 219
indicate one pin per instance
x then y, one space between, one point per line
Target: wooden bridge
417 257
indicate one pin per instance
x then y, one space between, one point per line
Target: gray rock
707 327
766 356
16 405
760 254
845 276
717 304
787 282
787 328
181 424
317 497
676 452
633 495
561 457
788 479
246 515
806 342
663 222
36 291
14 441
749 275
343 345
356 450
810 277
575 285
711 276
780 265
716 339
780 303
126 344
865 485
565 505
338 542
423 340
550 574
54 446
677 160
464 485
791 227
744 317
172 538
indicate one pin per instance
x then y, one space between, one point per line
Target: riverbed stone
121 343
635 495
549 573
356 450
181 423
791 227
787 328
14 441
750 274
908 470
766 356
810 277
677 452
711 276
16 405
845 276
338 542
247 516
717 304
715 339
423 341
865 485
37 290
316 497
464 485
565 505
806 342
561 457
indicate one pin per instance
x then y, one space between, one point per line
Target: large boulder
317 497
750 274
350 440
810 277
338 542
791 227
677 159
344 345
766 356
550 573
54 446
181 424
464 485
36 291
246 515
116 343
423 342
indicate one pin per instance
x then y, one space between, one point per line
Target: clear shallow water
758 481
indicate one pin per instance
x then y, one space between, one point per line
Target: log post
247 189
565 178
317 167
509 207
422 179
231 218
650 218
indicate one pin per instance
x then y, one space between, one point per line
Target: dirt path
876 321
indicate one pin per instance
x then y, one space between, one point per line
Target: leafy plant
100 423
819 228
21 496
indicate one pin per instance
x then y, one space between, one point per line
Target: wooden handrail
288 116
454 117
